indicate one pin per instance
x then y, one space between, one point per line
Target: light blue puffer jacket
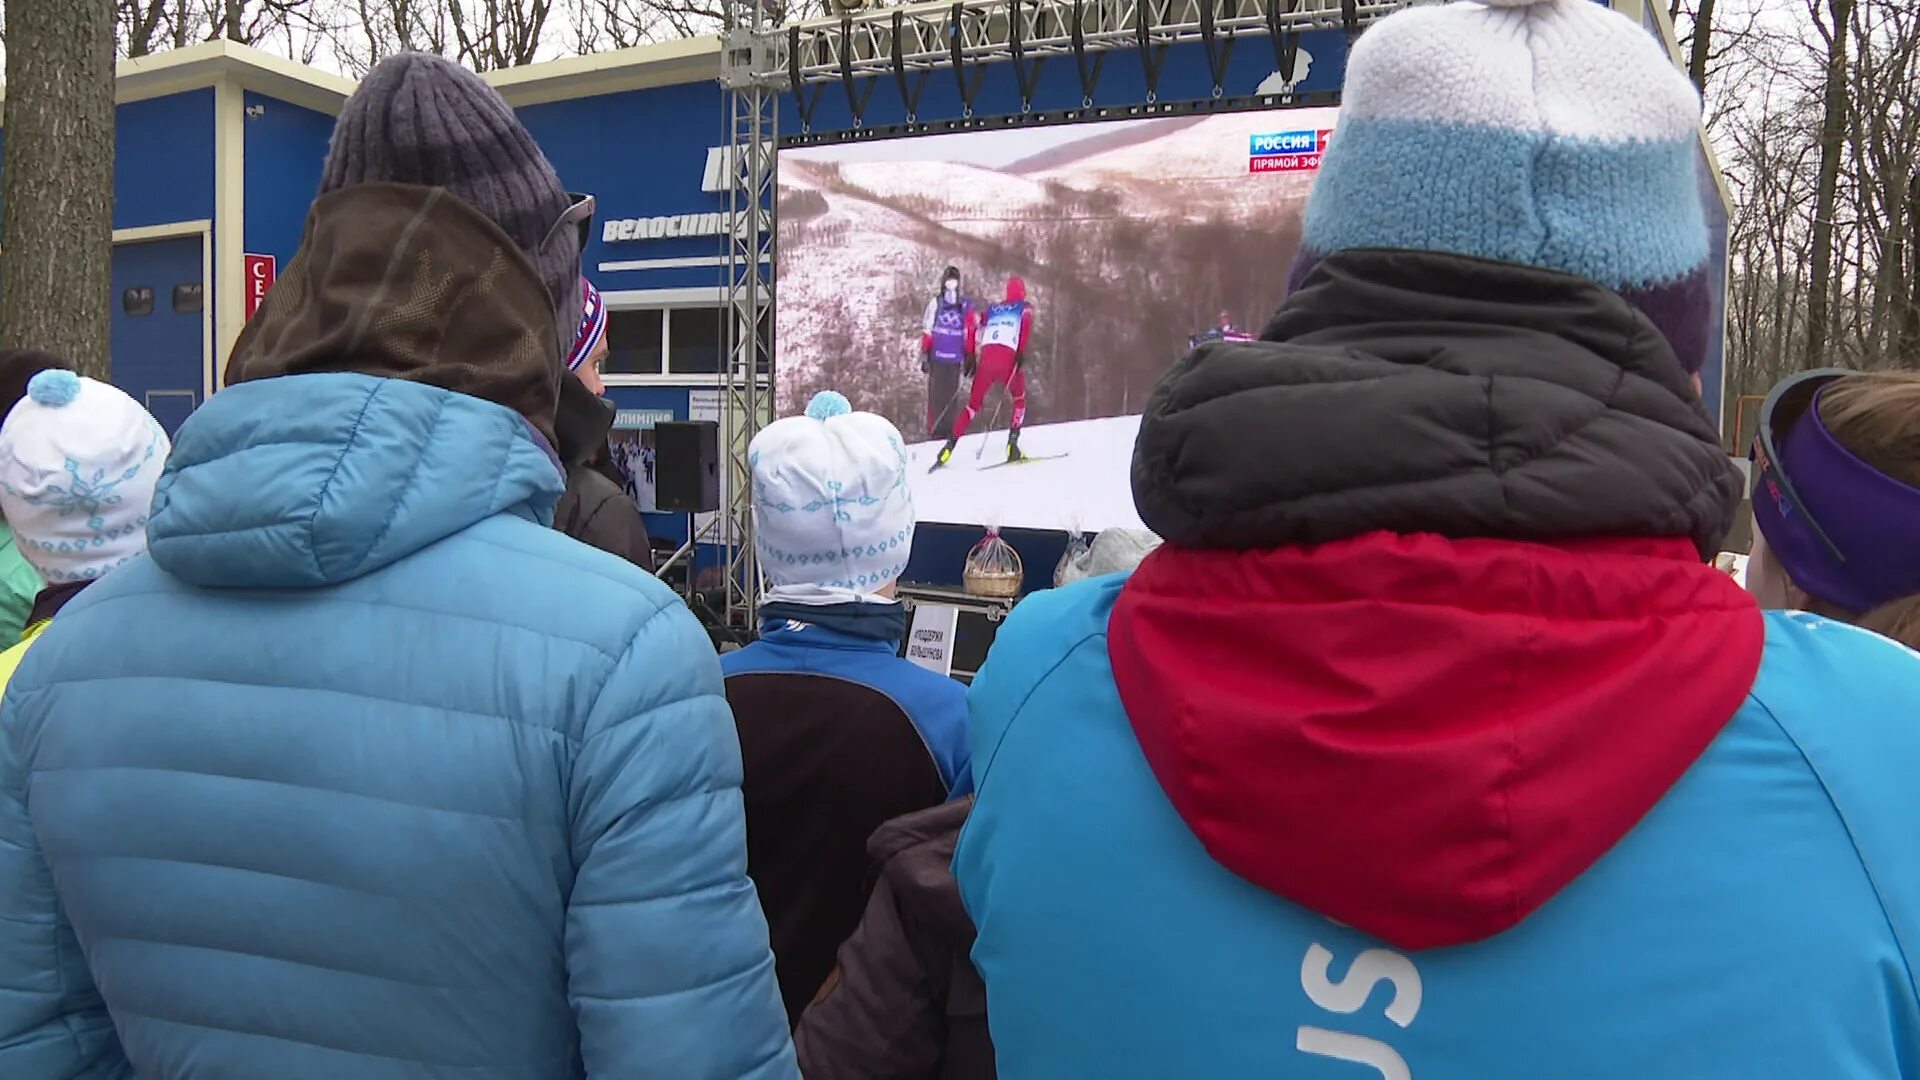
368 774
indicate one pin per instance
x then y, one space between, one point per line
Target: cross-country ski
1030 459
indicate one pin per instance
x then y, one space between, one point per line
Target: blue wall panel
286 146
1184 76
163 160
643 154
157 349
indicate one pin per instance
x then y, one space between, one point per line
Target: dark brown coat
594 510
905 1002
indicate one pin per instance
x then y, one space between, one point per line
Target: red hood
1420 738
1016 288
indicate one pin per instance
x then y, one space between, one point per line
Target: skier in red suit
1003 340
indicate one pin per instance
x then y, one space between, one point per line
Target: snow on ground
879 247
1089 489
947 184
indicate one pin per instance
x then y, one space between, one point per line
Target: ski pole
992 420
947 412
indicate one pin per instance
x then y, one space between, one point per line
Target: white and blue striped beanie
1556 133
831 503
78 464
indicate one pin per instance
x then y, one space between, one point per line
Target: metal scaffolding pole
746 404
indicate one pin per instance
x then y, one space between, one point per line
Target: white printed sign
930 639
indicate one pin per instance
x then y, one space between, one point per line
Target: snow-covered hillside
1087 490
947 184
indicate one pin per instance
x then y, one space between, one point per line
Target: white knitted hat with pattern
831 503
78 462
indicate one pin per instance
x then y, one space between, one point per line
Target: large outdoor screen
1097 254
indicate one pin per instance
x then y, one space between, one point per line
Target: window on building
189 299
634 342
689 341
698 339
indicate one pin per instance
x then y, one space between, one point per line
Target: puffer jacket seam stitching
500 477
206 1026
563 563
747 972
320 496
316 789
1913 986
437 613
413 480
649 712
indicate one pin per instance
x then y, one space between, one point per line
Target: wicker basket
993 568
1000 585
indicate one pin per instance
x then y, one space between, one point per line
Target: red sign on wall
260 273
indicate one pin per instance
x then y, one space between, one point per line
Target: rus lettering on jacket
1348 996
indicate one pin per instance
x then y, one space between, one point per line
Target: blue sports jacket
1761 920
848 645
368 773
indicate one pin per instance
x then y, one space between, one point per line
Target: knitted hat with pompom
831 503
1555 133
78 463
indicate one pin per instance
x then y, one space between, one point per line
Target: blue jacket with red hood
1429 746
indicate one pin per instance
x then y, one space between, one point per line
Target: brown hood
408 282
914 852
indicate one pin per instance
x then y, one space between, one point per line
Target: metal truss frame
746 393
925 37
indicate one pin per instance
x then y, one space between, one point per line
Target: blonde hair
1877 417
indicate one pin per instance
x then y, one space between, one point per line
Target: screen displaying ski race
1041 279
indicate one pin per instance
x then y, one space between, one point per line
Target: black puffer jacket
1497 400
593 509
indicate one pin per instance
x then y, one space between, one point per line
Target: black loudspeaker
686 467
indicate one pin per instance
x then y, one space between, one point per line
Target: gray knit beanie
422 119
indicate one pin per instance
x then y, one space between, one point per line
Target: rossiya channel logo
1287 151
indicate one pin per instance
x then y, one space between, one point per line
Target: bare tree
1834 31
144 27
483 34
495 34
390 26
57 190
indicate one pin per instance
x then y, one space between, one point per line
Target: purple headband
593 325
1871 519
